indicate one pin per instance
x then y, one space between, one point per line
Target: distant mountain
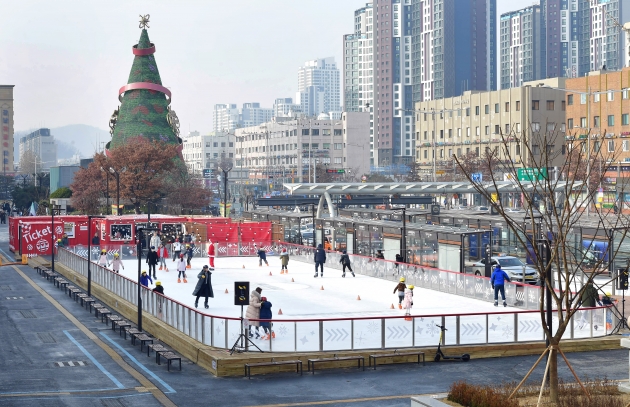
72 139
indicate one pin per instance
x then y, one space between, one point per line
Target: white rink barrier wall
339 334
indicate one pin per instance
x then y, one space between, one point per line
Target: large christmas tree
145 104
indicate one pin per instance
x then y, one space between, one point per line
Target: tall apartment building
475 121
403 51
43 147
318 86
520 44
581 36
287 149
284 107
226 117
6 113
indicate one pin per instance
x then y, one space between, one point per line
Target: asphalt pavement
53 352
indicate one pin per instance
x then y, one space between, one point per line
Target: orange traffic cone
322 288
226 291
280 311
270 273
358 298
166 269
292 280
392 307
243 266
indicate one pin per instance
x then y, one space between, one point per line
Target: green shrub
478 396
63 192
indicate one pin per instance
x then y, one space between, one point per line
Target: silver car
513 266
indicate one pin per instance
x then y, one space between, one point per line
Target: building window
624 94
518 149
425 154
624 119
215 144
518 105
583 122
467 111
507 129
611 119
535 105
305 146
583 97
326 146
625 145
550 148
535 126
315 132
459 132
596 147
596 97
570 100
551 105
223 144
563 106
315 146
338 146
536 149
611 95
487 132
487 109
497 129
425 134
476 110
507 107
467 131
305 132
570 123
496 108
611 146
338 160
337 132
596 122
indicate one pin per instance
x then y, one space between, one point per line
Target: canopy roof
390 188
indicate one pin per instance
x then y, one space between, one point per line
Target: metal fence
338 334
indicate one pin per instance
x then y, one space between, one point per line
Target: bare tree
548 234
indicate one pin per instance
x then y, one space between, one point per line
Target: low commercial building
476 121
62 176
298 149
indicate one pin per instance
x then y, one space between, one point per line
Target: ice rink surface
299 295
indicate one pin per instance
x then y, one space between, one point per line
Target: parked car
481 209
513 210
513 266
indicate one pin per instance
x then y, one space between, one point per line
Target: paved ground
41 327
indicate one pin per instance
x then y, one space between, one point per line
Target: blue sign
476 177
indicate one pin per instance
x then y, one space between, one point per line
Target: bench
170 357
111 319
120 324
157 348
311 362
397 354
49 274
79 295
131 332
69 289
95 305
59 281
38 269
297 363
143 338
102 312
86 300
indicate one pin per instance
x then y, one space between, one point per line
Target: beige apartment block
6 113
475 122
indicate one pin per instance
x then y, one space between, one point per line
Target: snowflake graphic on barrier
508 332
359 338
282 330
432 329
373 327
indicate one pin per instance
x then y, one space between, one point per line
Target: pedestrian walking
408 300
253 311
152 260
497 280
345 263
284 260
189 255
102 260
589 298
265 313
320 259
3 217
203 287
211 254
400 289
162 256
177 249
144 279
181 269
117 263
262 256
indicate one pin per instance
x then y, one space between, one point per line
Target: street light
117 175
109 210
89 254
225 166
139 255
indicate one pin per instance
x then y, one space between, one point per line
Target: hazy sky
68 58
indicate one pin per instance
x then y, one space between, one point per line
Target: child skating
162 255
265 313
117 263
262 256
400 288
102 260
284 259
189 255
345 262
181 269
408 302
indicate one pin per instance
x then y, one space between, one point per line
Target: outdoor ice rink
299 295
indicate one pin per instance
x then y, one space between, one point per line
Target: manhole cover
46 337
27 314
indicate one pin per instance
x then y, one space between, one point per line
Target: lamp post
226 166
109 209
117 175
139 255
89 254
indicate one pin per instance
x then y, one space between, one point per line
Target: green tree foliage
63 192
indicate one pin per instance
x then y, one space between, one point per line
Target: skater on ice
203 287
181 269
102 261
284 259
400 288
320 259
262 255
265 313
158 287
117 263
144 279
211 254
177 250
189 255
345 262
408 301
162 255
497 280
152 260
253 311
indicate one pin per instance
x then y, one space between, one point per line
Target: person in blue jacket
320 258
497 280
265 313
144 279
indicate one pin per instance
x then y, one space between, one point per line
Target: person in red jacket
211 254
162 253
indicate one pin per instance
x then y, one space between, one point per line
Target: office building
226 117
582 36
62 176
520 38
319 87
6 113
476 121
295 149
203 153
284 107
38 152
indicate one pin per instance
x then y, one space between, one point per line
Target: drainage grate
70 364
15 298
113 403
28 314
46 337
5 287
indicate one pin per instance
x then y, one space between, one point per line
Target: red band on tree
143 51
146 86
